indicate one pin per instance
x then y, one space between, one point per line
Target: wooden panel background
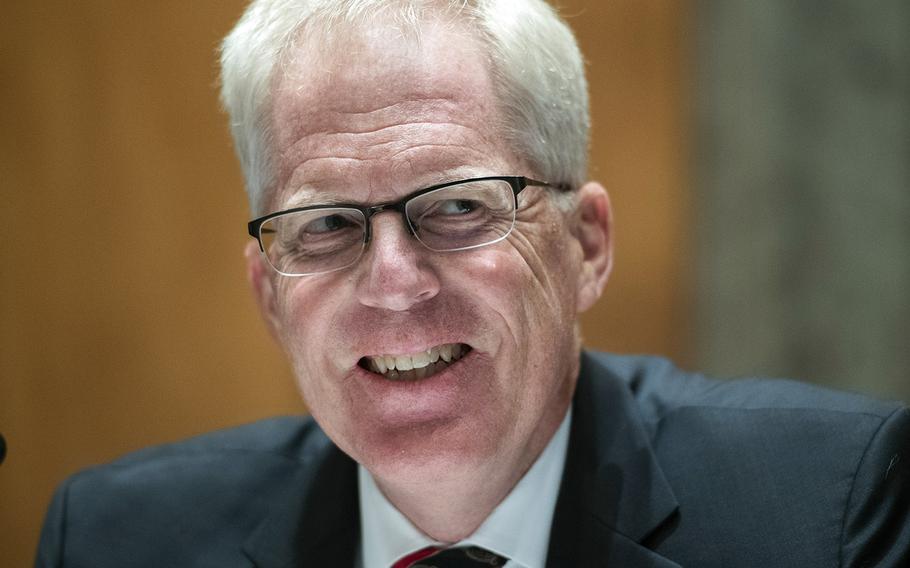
125 318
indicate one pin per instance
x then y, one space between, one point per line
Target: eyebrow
306 196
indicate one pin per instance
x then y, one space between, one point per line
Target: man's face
382 119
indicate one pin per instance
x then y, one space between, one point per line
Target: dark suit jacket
664 469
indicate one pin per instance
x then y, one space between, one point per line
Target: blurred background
757 154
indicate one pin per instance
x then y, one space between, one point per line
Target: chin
424 452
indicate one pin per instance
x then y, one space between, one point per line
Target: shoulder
661 389
745 418
756 456
205 493
259 449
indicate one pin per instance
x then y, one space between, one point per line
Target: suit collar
317 521
614 498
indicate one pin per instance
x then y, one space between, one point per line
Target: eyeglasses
452 216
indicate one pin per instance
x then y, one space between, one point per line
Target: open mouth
415 366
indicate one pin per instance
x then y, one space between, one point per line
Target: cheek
497 279
489 267
509 285
307 320
304 309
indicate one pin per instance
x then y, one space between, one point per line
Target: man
424 240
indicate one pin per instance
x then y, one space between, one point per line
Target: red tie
460 557
415 556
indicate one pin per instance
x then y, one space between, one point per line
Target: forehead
383 109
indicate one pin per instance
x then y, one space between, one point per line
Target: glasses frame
517 183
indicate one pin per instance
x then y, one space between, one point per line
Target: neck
450 506
447 510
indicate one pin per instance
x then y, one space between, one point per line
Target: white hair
534 62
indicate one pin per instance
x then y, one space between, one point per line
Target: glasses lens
310 242
463 216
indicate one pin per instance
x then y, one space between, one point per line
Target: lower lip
429 397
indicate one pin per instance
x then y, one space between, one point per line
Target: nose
396 275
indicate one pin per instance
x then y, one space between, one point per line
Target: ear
261 276
592 226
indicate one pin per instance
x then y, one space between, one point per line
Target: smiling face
390 117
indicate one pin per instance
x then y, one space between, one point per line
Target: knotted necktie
461 557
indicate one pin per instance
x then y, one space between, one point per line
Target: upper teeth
419 360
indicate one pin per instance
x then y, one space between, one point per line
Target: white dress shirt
518 529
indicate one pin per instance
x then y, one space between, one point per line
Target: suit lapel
614 498
317 522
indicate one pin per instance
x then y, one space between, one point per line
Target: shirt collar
518 528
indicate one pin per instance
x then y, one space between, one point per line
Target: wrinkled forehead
363 68
366 88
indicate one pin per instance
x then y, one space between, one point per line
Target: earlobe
260 277
593 225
